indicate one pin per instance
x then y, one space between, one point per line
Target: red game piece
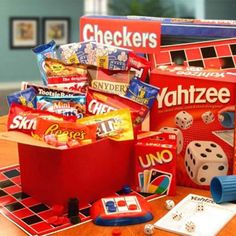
132 207
51 220
121 203
58 210
116 232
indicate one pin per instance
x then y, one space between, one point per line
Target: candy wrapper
25 97
98 103
42 52
109 81
67 106
42 90
60 75
65 134
116 125
142 92
24 119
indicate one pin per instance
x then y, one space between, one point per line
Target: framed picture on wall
24 32
57 29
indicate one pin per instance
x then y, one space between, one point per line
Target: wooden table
9 156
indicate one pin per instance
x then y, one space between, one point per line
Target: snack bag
42 52
142 92
67 106
60 75
25 97
65 133
98 103
116 125
23 119
109 81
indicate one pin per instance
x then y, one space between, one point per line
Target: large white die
204 160
179 135
208 117
183 119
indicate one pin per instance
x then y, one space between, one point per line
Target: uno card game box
155 164
200 105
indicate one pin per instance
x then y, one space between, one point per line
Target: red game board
31 215
220 54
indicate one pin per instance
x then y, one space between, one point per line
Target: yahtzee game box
200 105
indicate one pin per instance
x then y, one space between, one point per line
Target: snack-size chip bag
42 52
25 97
116 125
142 92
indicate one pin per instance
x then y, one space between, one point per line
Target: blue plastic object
223 188
228 119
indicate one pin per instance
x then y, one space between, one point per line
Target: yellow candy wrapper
116 125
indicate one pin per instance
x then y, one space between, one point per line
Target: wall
18 65
220 9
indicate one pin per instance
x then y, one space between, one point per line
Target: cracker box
155 164
200 105
88 172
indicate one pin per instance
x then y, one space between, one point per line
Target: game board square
22 213
178 57
30 201
193 54
11 173
233 49
227 62
16 180
197 63
2 177
2 193
208 52
4 200
85 211
163 58
32 219
20 195
6 183
42 226
39 208
145 194
223 50
13 189
14 206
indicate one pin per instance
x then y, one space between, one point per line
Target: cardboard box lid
23 139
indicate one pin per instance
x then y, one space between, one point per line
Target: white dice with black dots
204 160
183 120
179 135
208 117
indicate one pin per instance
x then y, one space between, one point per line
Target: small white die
169 204
149 229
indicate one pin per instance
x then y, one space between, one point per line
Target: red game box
88 172
200 104
217 54
155 164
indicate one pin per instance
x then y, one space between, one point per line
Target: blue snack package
142 92
65 105
43 51
25 97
